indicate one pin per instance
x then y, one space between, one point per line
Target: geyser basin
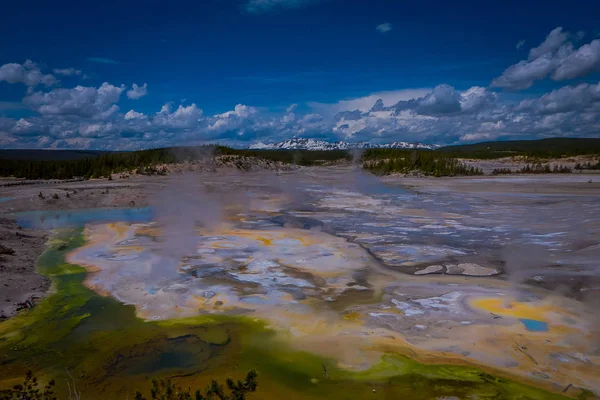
325 295
233 270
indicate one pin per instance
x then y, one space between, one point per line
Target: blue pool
533 325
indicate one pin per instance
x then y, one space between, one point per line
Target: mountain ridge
314 144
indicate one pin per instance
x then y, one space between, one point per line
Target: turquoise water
533 325
3 199
79 218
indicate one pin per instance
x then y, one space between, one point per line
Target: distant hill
554 147
49 155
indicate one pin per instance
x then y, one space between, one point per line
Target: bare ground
20 284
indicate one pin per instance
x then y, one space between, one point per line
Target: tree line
431 163
537 168
145 161
441 162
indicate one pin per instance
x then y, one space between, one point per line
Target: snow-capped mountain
313 144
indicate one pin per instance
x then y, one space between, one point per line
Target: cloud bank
556 57
91 116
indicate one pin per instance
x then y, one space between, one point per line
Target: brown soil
20 284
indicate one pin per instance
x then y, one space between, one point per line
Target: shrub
29 390
165 389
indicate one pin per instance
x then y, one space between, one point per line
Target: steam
181 207
524 262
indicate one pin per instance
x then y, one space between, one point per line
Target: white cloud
477 137
476 98
237 119
131 114
520 44
566 99
80 101
89 117
555 57
442 100
28 73
67 71
553 42
579 63
22 125
137 91
180 118
365 103
523 74
383 28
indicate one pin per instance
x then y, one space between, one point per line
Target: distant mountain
313 144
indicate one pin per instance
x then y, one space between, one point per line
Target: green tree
165 389
29 390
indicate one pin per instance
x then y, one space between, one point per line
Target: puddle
533 325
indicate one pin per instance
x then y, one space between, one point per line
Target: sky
124 75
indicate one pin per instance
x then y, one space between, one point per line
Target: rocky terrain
20 284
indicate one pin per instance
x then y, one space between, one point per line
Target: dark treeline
544 148
90 167
143 161
587 165
433 163
534 169
442 162
298 157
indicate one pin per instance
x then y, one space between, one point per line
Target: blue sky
240 71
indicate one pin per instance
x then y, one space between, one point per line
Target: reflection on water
79 218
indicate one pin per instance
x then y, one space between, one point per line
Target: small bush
501 171
165 389
29 390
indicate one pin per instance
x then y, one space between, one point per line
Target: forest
543 148
143 161
68 164
429 163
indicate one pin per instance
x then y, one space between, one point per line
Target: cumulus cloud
580 98
365 103
579 63
89 117
137 91
553 42
264 6
180 118
28 73
80 101
556 57
383 28
131 114
67 71
442 100
442 115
